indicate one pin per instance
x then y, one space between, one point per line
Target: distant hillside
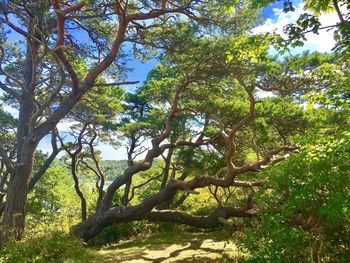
115 168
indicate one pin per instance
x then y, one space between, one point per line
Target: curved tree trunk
93 225
77 189
125 198
166 169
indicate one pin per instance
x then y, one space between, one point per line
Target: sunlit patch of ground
174 247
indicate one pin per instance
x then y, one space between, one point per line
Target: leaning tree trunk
29 132
89 228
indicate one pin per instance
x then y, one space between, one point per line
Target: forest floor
180 246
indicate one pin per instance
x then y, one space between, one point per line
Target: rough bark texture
210 221
14 211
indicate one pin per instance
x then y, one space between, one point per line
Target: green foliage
307 208
277 120
194 203
146 190
252 47
115 233
44 246
100 106
54 196
7 120
115 168
309 22
335 77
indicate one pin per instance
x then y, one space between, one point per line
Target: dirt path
184 247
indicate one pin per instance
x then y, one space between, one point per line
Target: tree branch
47 163
116 83
210 221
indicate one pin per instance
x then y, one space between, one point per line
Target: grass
165 243
173 245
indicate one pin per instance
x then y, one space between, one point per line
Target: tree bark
93 225
29 132
14 212
210 221
125 198
185 173
166 169
154 152
77 188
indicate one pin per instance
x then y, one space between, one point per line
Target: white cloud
45 144
64 125
323 42
12 111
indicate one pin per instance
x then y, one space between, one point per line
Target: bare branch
116 83
230 138
141 185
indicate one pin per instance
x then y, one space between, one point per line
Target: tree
51 71
7 127
306 208
208 78
191 85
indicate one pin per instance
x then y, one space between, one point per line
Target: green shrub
116 232
306 217
49 246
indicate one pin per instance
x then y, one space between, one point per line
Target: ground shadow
183 247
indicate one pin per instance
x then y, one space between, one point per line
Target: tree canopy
229 129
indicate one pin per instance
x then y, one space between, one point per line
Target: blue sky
268 12
275 20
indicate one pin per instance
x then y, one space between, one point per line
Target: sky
277 20
274 21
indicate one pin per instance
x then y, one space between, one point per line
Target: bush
48 246
306 216
117 232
